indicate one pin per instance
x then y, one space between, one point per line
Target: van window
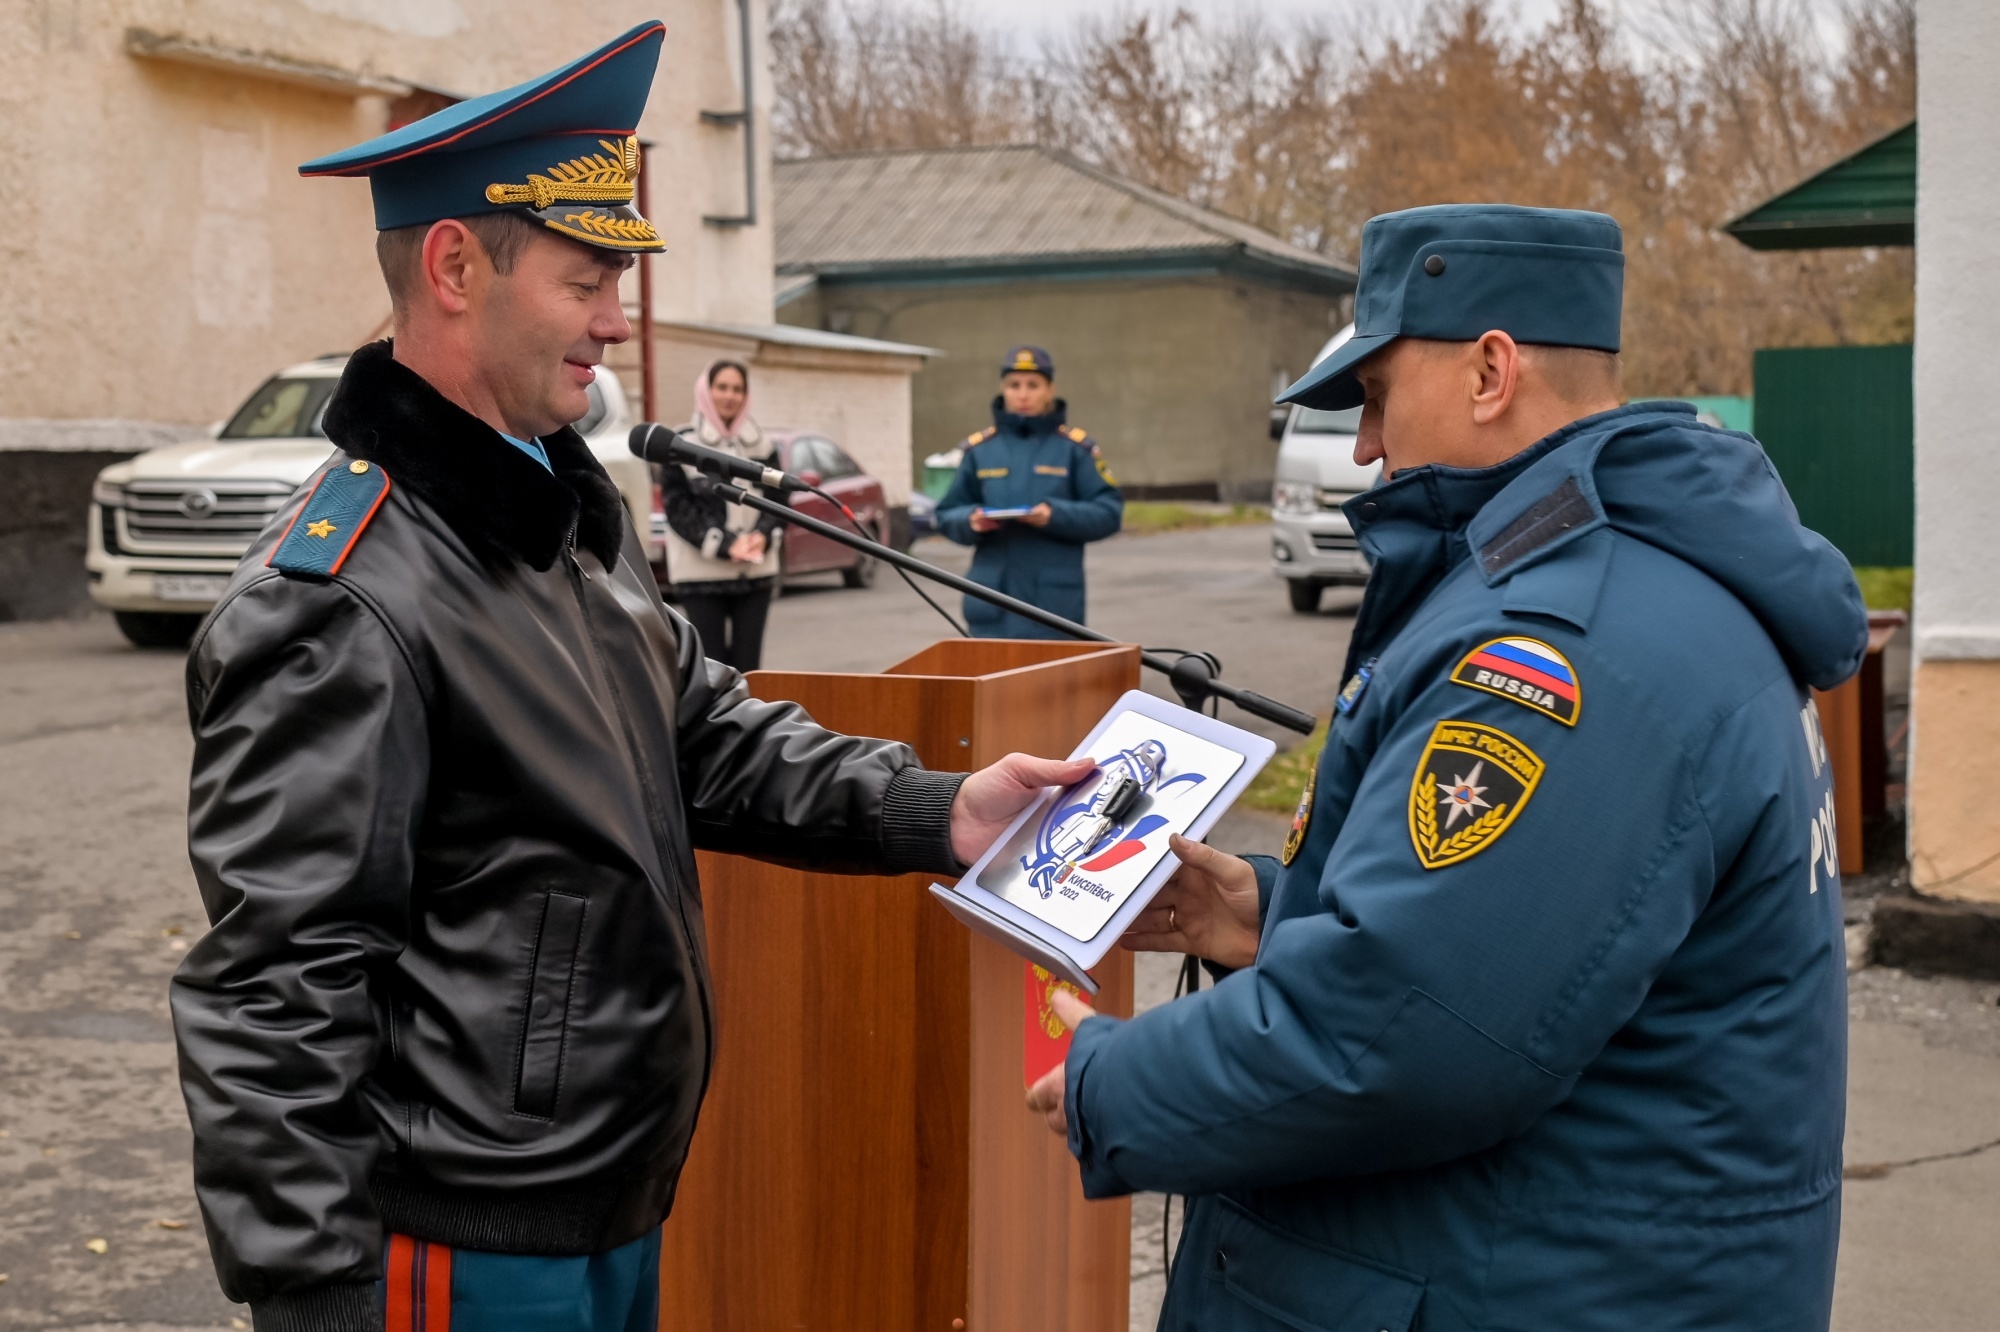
282 409
1313 421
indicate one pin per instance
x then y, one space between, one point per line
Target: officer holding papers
1030 492
1539 1019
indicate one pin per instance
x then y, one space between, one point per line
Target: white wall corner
1957 456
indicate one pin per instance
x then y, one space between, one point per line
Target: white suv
168 527
1312 545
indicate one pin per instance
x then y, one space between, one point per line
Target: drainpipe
646 391
745 118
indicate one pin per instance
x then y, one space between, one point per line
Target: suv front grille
208 515
1333 499
1335 541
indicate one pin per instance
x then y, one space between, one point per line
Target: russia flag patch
1526 670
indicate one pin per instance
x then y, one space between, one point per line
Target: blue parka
1022 461
1557 1041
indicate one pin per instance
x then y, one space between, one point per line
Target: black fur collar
498 499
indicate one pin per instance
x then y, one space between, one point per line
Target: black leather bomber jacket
442 815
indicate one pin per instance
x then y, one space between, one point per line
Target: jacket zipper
662 845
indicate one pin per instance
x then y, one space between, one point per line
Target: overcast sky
1029 19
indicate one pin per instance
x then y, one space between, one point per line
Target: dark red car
818 460
821 462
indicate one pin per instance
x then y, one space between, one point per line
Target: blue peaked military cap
1455 272
1028 360
562 149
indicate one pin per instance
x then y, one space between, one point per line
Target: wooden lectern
864 1158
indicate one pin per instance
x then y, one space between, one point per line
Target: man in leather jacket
449 1033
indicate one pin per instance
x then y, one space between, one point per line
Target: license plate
189 587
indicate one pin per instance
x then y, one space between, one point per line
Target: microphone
656 443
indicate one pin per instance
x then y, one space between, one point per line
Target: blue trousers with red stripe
435 1288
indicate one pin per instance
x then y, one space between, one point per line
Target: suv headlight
1294 497
107 493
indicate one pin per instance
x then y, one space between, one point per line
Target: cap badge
597 178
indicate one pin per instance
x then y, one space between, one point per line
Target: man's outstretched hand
1208 908
991 797
1045 1098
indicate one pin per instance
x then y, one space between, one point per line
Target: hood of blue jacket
1708 496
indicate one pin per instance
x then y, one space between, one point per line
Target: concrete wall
1955 704
162 253
43 498
1173 376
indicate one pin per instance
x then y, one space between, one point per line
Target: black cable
901 573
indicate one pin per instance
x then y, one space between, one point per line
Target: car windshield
1313 421
282 409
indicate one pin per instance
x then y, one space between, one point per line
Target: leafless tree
865 74
1688 114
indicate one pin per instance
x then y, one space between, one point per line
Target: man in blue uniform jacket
1049 476
1539 1022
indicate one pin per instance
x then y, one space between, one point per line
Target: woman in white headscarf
722 558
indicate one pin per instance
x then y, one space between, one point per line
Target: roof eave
1771 229
1829 231
1233 259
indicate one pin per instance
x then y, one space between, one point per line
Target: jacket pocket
545 1022
1262 1279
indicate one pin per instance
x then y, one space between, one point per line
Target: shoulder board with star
981 436
332 519
1077 435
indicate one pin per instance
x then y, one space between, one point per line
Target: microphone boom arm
1198 681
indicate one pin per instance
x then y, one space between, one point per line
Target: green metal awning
1869 198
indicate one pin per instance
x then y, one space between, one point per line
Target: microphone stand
1192 676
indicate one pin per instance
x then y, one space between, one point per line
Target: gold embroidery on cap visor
613 228
1472 780
605 180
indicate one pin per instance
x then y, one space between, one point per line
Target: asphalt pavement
98 1227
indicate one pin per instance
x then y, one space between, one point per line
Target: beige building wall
859 399
1955 696
1172 376
161 253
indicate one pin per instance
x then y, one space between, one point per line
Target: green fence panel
1838 423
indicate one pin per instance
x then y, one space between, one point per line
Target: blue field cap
1454 272
1028 360
562 149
